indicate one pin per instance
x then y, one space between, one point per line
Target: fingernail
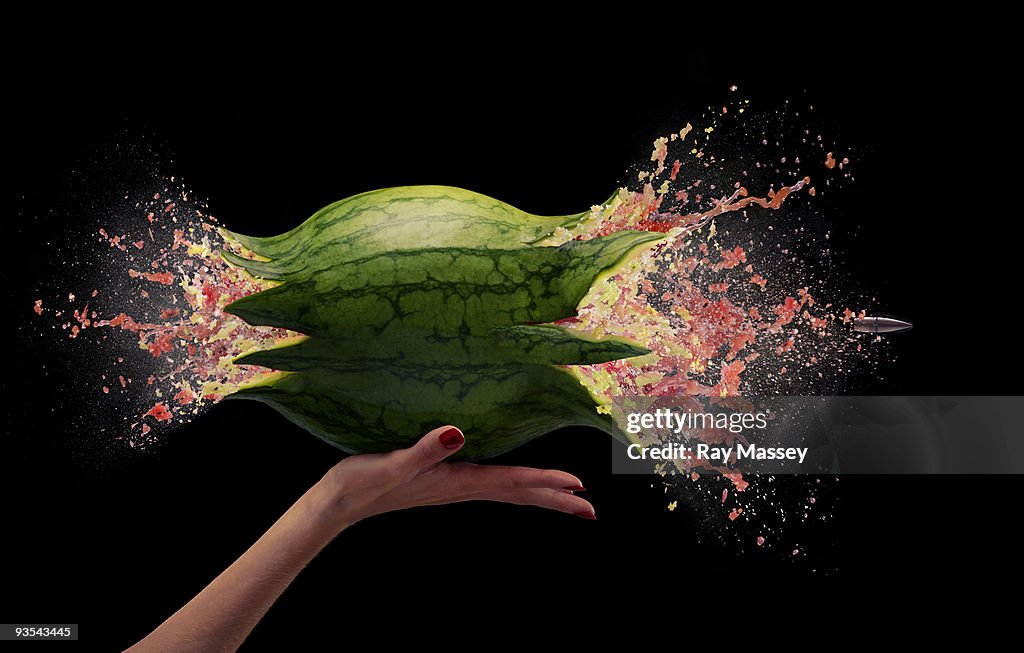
574 488
452 438
586 515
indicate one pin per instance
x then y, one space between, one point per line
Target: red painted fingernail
452 438
586 515
574 488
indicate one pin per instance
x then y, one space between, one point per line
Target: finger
479 478
558 500
543 498
433 447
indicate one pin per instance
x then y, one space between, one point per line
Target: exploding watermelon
430 305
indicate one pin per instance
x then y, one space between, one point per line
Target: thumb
434 447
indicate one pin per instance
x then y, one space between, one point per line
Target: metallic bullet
880 325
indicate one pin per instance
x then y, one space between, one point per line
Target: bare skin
221 616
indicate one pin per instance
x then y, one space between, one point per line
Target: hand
370 484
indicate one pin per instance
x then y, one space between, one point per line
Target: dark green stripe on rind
540 345
261 269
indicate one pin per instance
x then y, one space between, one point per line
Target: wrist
327 506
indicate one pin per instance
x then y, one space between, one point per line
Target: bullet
880 325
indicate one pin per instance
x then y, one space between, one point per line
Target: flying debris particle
159 412
737 479
185 396
676 165
659 154
166 278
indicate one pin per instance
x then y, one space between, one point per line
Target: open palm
371 484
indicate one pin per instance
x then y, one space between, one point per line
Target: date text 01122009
12 632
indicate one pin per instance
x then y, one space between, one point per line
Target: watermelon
430 305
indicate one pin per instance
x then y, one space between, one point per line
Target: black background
118 544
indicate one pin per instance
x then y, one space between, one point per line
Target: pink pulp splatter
176 276
674 300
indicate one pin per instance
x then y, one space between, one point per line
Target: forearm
221 616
